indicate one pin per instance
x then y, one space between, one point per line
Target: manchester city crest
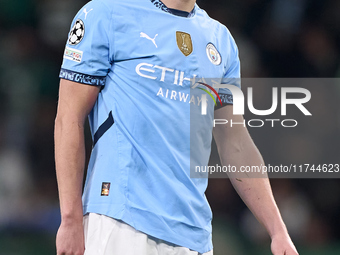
213 54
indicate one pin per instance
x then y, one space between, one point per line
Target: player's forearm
70 161
253 188
257 195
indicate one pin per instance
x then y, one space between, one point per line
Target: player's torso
155 54
145 155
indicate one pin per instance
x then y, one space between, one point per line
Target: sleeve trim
82 78
226 99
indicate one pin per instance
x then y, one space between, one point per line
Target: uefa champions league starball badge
77 32
213 54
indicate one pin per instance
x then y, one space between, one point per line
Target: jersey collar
163 7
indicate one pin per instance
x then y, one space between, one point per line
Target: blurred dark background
276 38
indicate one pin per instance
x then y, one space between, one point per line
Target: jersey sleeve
232 75
87 57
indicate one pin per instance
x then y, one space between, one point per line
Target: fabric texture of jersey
139 170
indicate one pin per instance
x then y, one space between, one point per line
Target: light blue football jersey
144 57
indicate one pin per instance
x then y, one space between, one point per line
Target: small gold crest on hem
105 188
184 43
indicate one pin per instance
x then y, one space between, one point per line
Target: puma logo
86 12
149 38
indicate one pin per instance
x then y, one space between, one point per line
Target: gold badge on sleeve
184 43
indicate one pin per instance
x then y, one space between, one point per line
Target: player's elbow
67 121
59 120
229 144
235 147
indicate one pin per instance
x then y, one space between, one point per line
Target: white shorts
108 236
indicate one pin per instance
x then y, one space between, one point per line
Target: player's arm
236 148
75 102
